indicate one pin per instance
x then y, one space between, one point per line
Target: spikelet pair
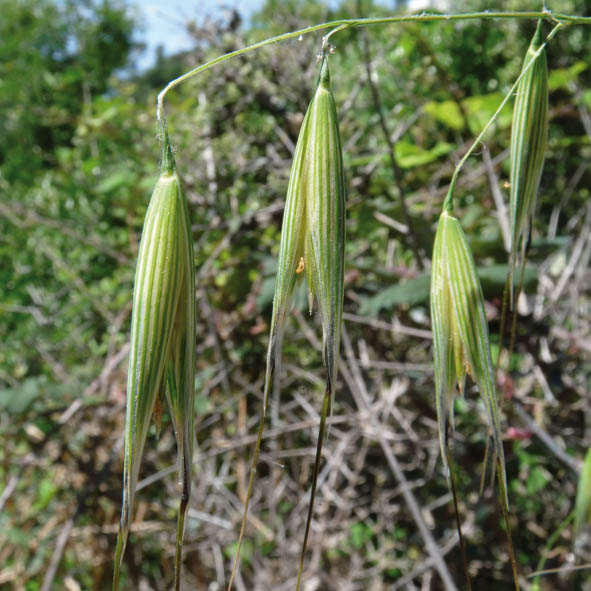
162 346
529 133
460 334
312 245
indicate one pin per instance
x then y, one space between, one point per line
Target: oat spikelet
312 245
460 334
529 133
162 345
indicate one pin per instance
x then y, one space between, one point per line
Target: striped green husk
313 231
314 223
162 345
322 182
529 134
460 333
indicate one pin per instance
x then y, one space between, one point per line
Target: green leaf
411 292
410 155
537 480
18 400
563 77
416 291
495 277
116 180
246 550
482 107
446 112
360 534
47 491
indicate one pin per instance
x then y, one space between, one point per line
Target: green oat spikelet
460 334
312 245
162 345
529 133
322 182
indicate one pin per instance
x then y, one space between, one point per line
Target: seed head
460 332
529 134
162 344
313 231
312 245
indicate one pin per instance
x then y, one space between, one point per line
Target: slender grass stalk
583 499
457 514
526 68
340 25
505 507
549 544
326 409
562 569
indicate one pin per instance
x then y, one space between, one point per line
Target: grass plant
312 246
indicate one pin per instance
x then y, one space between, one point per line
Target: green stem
448 203
514 313
167 162
502 500
274 345
504 311
180 530
119 551
551 541
321 432
342 24
456 510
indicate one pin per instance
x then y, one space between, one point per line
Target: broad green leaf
410 155
416 290
446 112
410 292
480 109
563 77
18 400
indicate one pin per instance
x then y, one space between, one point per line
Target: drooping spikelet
460 333
162 345
529 132
312 245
